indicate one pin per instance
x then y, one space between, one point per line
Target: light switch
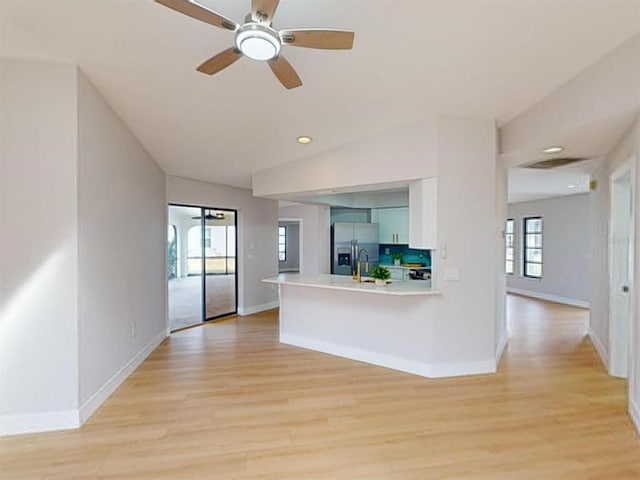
451 274
443 250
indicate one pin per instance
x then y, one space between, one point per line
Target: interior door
621 252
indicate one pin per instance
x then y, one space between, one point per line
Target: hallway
227 401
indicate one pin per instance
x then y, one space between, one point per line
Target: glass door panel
184 269
220 263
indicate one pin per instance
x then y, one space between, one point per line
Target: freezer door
367 237
342 248
373 257
342 258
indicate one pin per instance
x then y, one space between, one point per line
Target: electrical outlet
133 330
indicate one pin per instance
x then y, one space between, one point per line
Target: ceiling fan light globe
258 42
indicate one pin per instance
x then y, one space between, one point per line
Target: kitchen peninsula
390 326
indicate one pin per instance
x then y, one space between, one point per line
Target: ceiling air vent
553 163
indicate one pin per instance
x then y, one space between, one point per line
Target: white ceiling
411 60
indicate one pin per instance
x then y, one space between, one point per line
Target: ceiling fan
257 39
209 215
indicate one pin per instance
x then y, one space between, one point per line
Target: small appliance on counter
420 273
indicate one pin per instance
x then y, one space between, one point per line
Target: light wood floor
226 401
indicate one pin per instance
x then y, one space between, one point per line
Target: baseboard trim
600 348
461 369
103 393
243 311
408 366
550 298
634 412
38 422
502 345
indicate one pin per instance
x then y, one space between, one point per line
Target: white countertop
344 282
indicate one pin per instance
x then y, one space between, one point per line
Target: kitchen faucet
358 275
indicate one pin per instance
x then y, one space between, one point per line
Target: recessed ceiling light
572 185
552 150
304 140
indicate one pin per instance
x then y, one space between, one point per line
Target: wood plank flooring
227 401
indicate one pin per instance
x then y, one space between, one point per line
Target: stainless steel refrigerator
347 242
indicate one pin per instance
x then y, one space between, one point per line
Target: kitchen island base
368 324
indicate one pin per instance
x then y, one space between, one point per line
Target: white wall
84 265
316 236
467 311
257 236
627 148
122 248
602 97
501 334
38 251
463 154
566 259
406 154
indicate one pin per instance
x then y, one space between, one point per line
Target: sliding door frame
203 298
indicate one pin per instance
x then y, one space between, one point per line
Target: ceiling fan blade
263 10
219 61
318 38
201 13
285 72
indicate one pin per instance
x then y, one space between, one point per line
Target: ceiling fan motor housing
258 41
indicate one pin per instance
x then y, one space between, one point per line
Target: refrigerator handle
354 254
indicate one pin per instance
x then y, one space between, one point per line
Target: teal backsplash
409 255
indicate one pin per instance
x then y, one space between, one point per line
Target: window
509 236
172 251
282 243
533 247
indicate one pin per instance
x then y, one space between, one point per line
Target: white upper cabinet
393 224
423 214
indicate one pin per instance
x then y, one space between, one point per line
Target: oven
420 273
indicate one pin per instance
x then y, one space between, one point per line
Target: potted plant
380 274
397 258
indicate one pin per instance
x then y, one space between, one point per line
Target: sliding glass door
201 257
220 264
